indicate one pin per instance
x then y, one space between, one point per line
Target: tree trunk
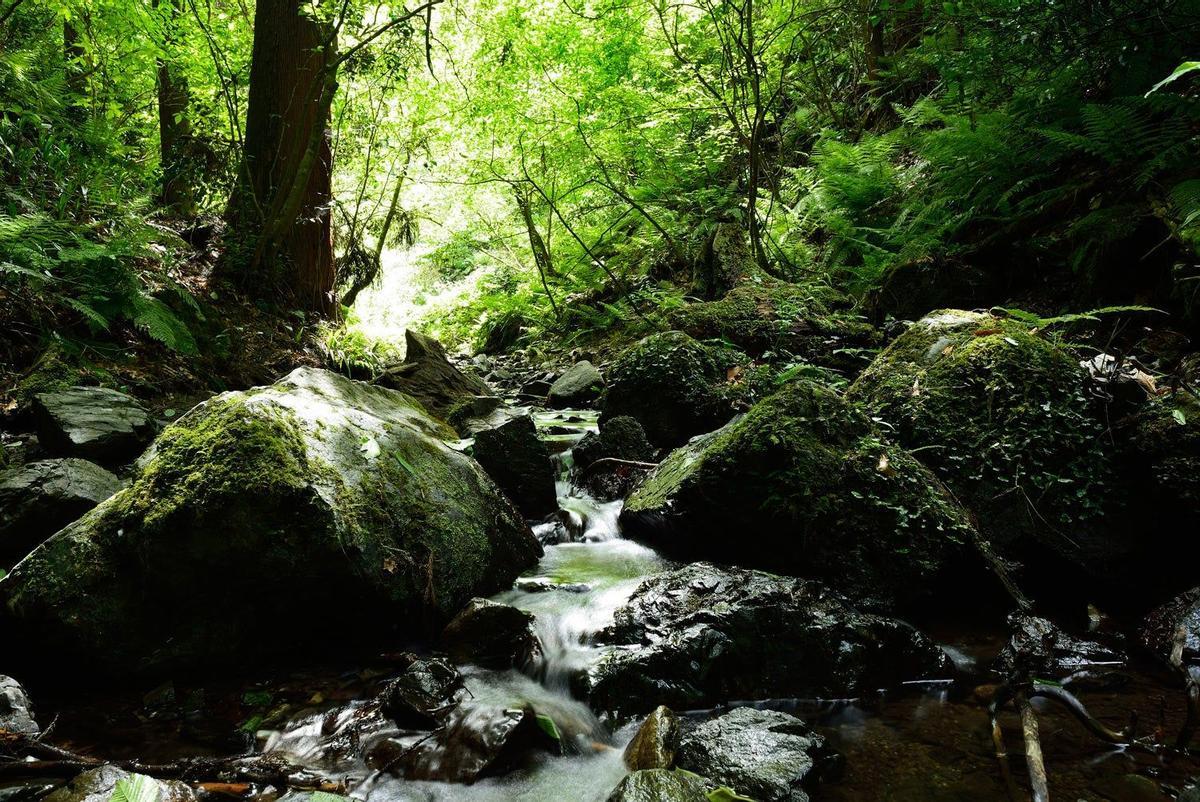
76 71
541 254
281 235
174 128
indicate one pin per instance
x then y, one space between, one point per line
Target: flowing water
918 743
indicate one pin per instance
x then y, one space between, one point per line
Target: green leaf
548 726
1180 71
404 464
136 788
724 794
1179 417
325 796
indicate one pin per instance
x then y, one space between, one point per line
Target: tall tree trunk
76 71
281 235
173 126
541 254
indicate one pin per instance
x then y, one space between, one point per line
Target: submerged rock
673 385
703 635
761 754
16 711
263 520
492 635
428 376
94 423
821 494
519 462
579 386
42 497
660 785
654 744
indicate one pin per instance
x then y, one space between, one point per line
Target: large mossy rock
702 635
1002 414
40 498
673 385
428 376
725 262
770 315
263 521
803 484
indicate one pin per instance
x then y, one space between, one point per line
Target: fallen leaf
885 466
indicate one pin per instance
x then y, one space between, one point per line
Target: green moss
771 315
998 411
822 491
218 449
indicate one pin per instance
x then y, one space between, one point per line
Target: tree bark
280 222
74 56
174 128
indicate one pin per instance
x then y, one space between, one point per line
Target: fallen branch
1034 761
607 461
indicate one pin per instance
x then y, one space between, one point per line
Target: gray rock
263 520
701 635
580 386
42 497
765 755
1039 648
492 635
1178 617
94 423
423 695
428 376
97 785
16 712
660 785
621 438
518 461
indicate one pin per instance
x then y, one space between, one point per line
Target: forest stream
928 738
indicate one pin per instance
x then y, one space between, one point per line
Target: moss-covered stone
264 520
770 315
1000 413
673 385
804 484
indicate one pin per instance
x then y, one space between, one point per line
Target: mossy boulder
1002 414
804 484
262 521
770 315
673 385
661 785
1161 461
725 262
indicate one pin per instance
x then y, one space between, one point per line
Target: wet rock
1039 648
673 385
773 315
536 388
579 386
761 754
823 494
428 376
42 497
479 741
654 744
1176 621
1002 415
660 785
475 413
16 711
423 695
701 635
97 785
316 499
518 461
492 635
94 423
621 438
543 585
